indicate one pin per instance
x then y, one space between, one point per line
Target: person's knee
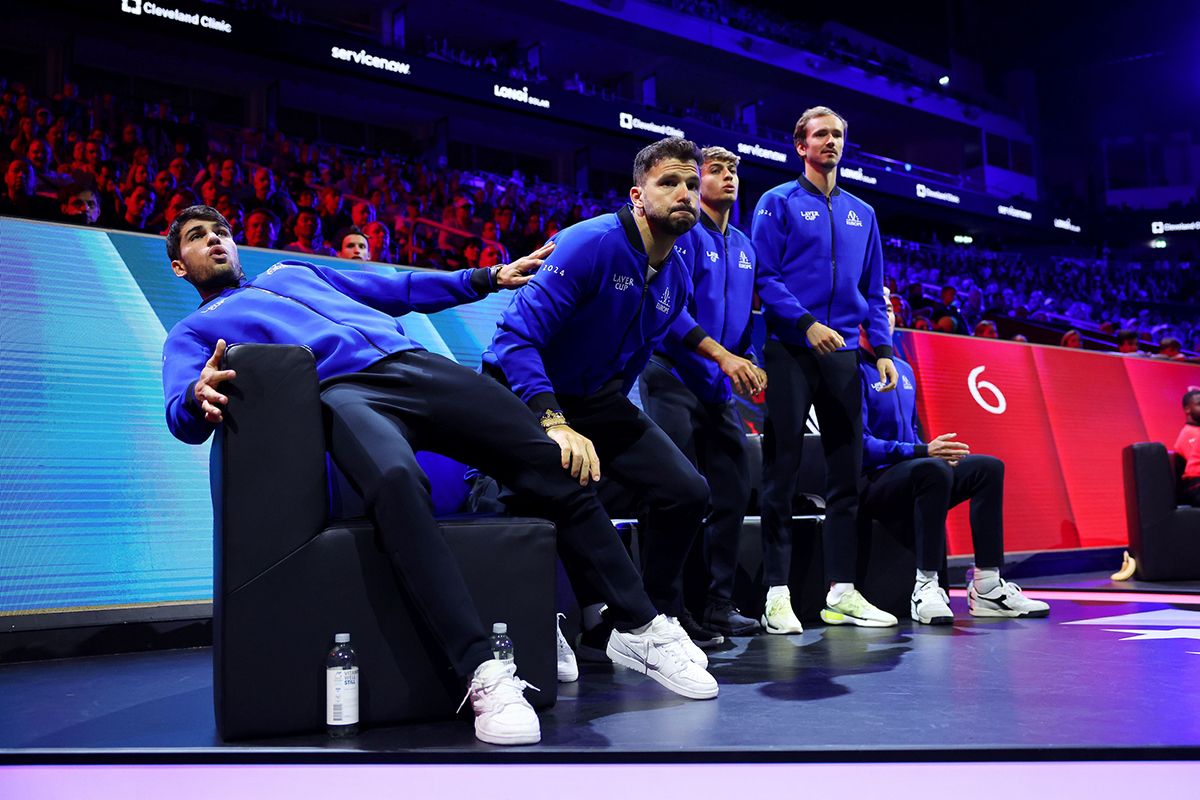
990 466
400 480
933 472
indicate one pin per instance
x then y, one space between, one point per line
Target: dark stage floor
1105 678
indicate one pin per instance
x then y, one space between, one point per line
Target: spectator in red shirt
1187 445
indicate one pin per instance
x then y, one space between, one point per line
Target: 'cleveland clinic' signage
925 193
631 123
1158 227
142 8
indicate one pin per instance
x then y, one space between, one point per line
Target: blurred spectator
362 214
1170 347
79 204
139 202
18 199
308 234
1187 445
1020 337
987 329
333 217
177 202
379 241
1071 339
490 256
352 243
262 228
1127 342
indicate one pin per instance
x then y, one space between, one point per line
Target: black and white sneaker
1006 600
930 605
703 637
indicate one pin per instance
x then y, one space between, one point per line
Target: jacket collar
708 222
809 187
625 215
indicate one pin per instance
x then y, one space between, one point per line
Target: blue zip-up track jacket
347 319
589 317
820 259
722 268
891 429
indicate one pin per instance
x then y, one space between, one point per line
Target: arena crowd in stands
96 161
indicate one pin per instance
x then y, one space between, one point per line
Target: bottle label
341 696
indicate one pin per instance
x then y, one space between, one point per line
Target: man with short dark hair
352 244
384 395
1187 445
687 388
138 205
308 234
379 240
80 204
1127 342
571 345
820 275
262 228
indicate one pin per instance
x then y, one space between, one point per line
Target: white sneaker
1006 600
779 616
853 609
659 654
502 714
568 667
930 605
692 650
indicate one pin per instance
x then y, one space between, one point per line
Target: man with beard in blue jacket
820 275
571 345
686 390
385 396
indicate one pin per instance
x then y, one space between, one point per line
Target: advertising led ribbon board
1058 418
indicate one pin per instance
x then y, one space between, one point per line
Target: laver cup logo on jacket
622 282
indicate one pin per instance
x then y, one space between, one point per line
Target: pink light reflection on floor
1103 597
1062 781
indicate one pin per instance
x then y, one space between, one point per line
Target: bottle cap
500 627
341 638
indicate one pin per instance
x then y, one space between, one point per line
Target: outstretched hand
212 401
578 453
519 272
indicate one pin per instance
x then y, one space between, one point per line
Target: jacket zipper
725 263
322 316
636 317
832 259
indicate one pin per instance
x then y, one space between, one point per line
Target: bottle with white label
502 646
341 688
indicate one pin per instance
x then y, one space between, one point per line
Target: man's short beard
219 281
671 225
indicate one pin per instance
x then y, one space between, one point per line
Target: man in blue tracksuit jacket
385 396
820 275
911 481
572 343
690 396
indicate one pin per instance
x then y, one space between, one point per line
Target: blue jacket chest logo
622 282
743 261
810 215
664 302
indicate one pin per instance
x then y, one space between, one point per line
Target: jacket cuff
694 337
806 322
544 401
481 281
920 451
883 351
191 403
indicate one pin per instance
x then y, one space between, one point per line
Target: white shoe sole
838 618
769 628
1009 613
945 619
638 665
568 675
508 738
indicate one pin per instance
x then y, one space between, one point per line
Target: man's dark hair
206 213
1188 395
76 187
349 230
186 193
1127 335
671 147
1169 343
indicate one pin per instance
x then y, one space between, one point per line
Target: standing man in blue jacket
385 396
690 395
574 340
820 275
907 477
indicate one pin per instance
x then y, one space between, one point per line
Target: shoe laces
778 605
563 646
931 587
670 638
500 689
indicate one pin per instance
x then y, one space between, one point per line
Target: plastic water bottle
502 646
341 688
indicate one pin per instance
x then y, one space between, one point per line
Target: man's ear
635 197
178 268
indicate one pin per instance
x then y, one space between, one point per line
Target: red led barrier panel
1058 418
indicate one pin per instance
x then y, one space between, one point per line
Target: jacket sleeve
408 290
878 452
184 356
769 235
538 314
871 287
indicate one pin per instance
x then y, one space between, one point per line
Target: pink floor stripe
1061 781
